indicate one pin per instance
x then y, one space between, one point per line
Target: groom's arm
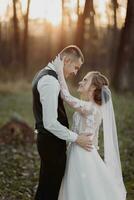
49 89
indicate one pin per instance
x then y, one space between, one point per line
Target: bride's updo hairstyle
98 80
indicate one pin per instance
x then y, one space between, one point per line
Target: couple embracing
71 167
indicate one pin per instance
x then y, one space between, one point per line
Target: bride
87 176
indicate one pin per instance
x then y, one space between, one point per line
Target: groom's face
71 67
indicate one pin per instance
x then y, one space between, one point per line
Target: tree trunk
62 31
49 42
0 32
16 32
81 23
124 71
25 39
115 7
78 7
114 39
0 42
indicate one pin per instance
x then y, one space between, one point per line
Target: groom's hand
85 141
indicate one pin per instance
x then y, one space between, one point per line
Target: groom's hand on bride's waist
85 141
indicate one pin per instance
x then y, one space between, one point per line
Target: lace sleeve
74 127
77 104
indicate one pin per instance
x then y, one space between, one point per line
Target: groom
51 124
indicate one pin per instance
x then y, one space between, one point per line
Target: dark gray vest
37 106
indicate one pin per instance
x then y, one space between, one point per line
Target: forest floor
19 164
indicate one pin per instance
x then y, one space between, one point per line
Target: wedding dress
87 176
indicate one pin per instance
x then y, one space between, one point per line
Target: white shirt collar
50 65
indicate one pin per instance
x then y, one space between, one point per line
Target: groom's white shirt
49 88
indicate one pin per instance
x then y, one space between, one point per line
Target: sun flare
41 9
44 9
51 11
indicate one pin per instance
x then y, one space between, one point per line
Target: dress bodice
90 123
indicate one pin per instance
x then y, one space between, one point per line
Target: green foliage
19 165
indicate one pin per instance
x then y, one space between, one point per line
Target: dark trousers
52 153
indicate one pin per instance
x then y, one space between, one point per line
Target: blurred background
32 32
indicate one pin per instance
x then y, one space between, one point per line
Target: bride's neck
90 98
85 97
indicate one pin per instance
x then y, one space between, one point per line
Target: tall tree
16 31
88 13
0 31
113 40
115 7
0 40
49 42
62 30
25 37
124 70
78 7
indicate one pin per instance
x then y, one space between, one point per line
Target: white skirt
87 177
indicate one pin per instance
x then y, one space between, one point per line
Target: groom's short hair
73 50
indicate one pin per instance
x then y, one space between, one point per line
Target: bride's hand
58 63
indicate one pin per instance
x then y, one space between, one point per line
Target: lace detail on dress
74 125
93 121
88 124
77 104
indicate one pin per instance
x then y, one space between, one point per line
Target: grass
15 98
19 165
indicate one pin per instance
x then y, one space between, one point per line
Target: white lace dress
86 175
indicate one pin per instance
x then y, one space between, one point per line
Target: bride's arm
77 104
